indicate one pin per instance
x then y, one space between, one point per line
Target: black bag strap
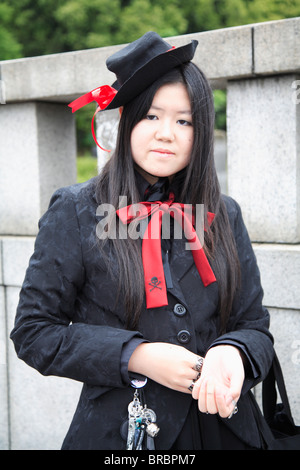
269 394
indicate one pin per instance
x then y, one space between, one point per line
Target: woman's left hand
219 386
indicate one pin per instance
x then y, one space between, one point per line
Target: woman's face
161 143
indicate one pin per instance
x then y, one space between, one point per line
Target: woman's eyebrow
157 108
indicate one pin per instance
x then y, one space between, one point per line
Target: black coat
68 325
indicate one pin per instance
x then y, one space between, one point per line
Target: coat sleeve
248 325
44 335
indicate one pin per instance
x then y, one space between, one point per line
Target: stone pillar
263 136
37 156
4 427
263 128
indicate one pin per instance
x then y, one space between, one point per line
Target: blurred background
36 27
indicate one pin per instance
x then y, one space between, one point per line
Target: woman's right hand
165 363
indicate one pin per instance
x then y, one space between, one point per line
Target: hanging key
134 413
139 443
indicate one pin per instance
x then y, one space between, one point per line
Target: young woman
132 317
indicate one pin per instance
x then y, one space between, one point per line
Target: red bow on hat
103 95
155 284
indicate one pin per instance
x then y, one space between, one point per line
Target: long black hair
198 185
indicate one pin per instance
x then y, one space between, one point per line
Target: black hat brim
150 72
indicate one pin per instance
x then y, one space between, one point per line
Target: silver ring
190 388
234 411
199 364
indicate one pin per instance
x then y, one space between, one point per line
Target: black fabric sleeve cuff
127 351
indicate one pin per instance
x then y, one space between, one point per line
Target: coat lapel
181 260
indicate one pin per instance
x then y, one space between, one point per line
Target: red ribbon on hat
154 279
103 95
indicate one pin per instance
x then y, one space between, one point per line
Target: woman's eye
183 122
151 117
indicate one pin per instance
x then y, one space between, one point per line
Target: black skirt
207 432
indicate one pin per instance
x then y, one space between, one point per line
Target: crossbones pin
154 283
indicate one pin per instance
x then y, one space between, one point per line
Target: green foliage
220 109
10 48
140 16
204 15
88 24
83 125
37 27
86 168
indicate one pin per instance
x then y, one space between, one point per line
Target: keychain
141 424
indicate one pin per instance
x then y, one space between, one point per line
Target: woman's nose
165 131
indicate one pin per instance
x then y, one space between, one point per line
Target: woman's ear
121 110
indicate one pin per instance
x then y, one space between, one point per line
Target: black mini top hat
136 67
139 64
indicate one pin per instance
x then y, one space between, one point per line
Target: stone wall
259 65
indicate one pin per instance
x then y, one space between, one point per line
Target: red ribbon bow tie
103 95
155 284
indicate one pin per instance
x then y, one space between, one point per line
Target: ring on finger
210 390
199 364
234 411
190 388
193 382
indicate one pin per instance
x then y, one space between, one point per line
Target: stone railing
259 65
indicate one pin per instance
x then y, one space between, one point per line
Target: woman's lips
163 151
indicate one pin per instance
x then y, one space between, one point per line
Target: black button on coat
179 310
68 325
